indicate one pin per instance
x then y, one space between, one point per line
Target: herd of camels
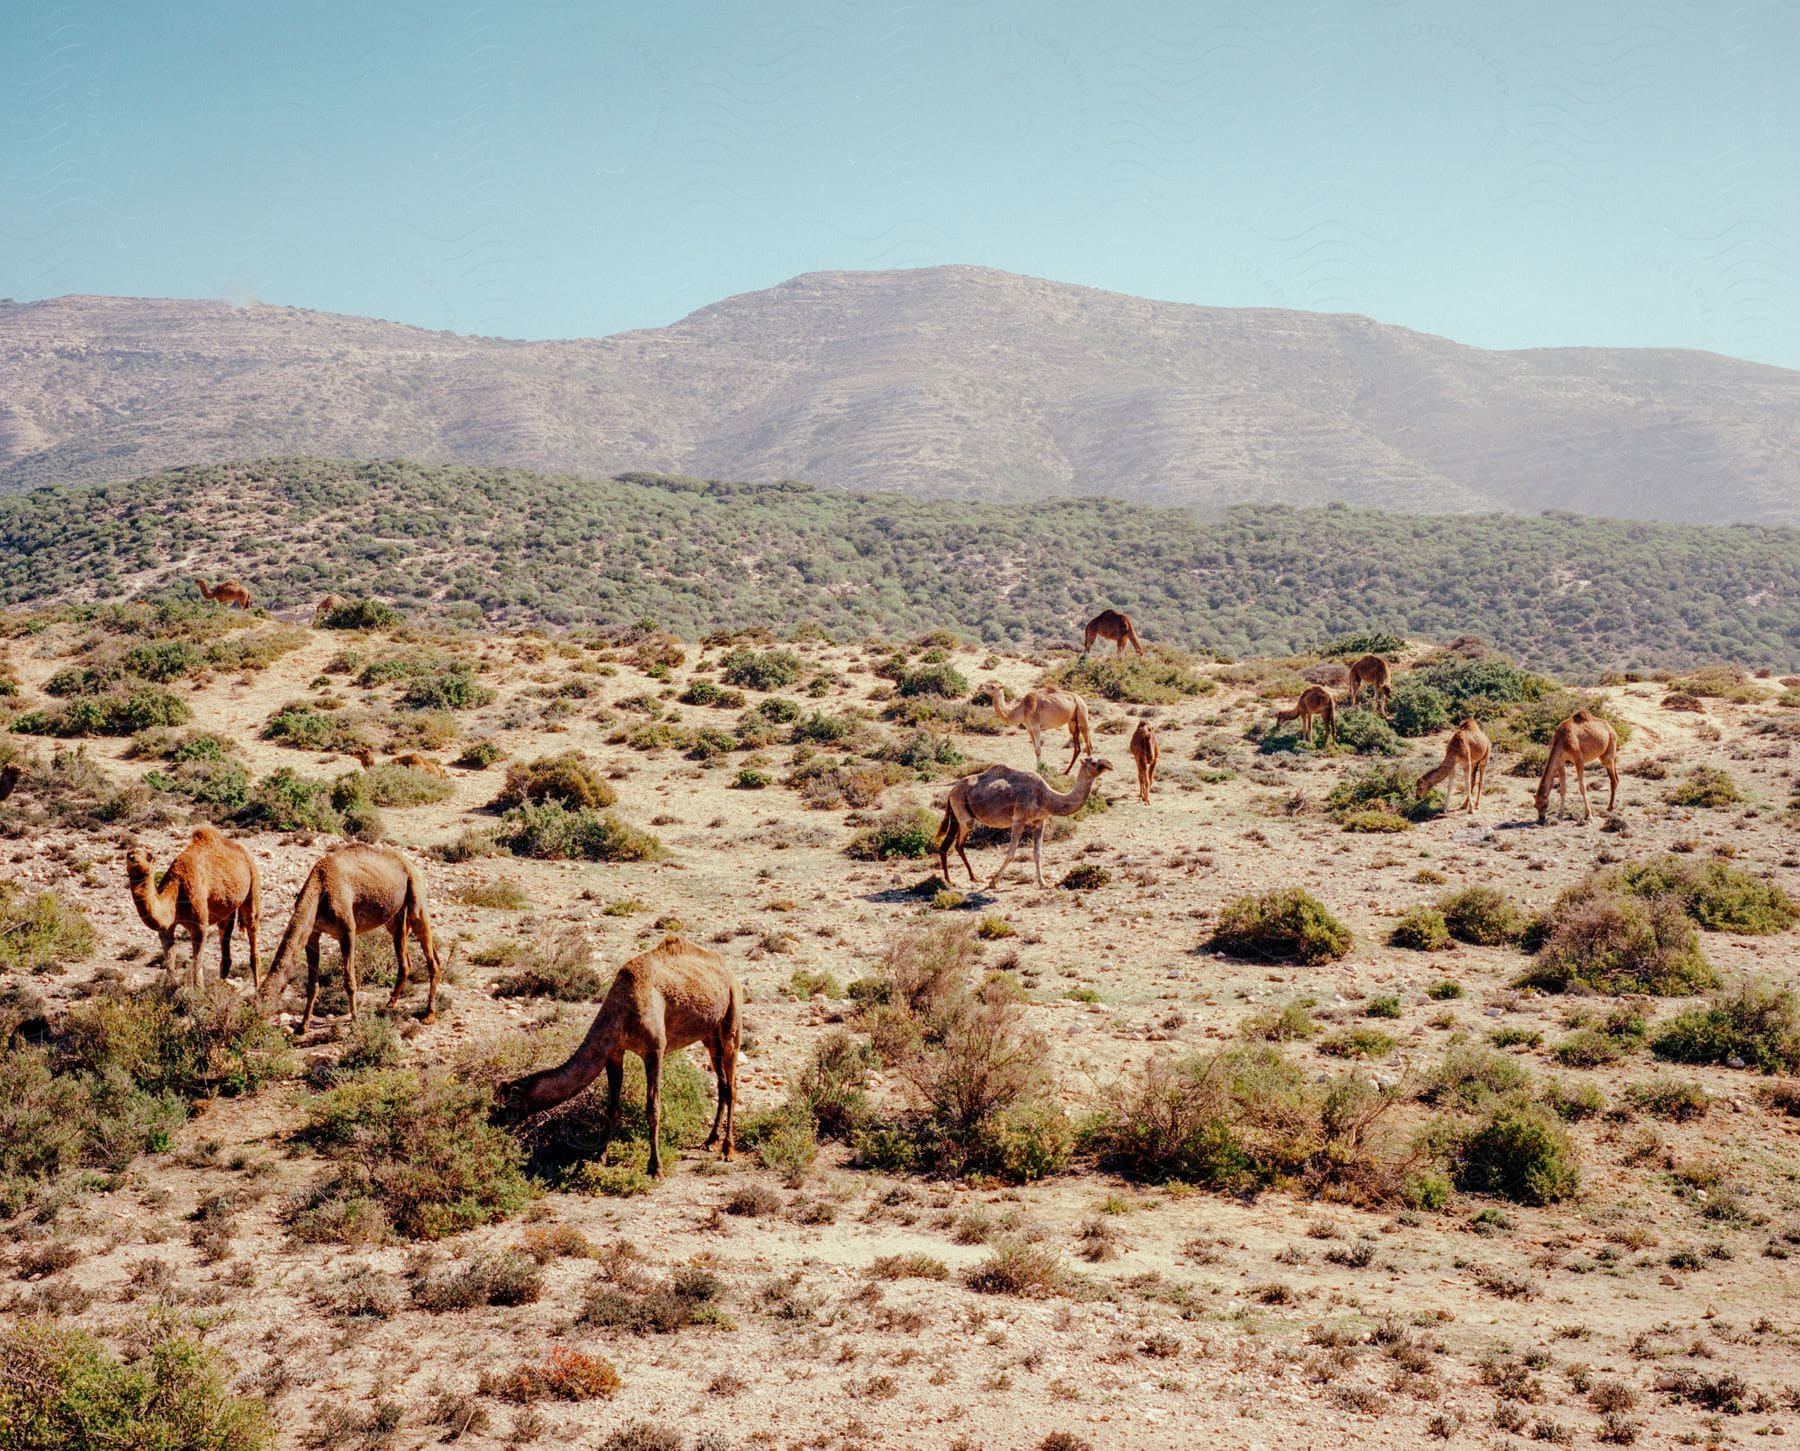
679 993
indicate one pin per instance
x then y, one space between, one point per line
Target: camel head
139 865
509 1103
1541 799
1093 766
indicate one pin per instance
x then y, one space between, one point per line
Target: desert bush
503 1278
1749 1023
1088 877
561 1145
566 779
563 1375
1359 1043
943 680
823 728
1418 709
554 832
1284 925
1679 1099
61 1388
623 1297
1478 687
360 614
901 831
1386 787
1281 1023
833 1087
220 787
390 784
1366 733
1017 1267
1422 929
1364 642
1483 916
1162 677
1573 1103
1706 787
454 687
1603 941
1516 1152
414 1153
709 692
478 755
562 970
123 712
303 726
1469 1077
1718 896
501 894
1373 820
40 932
286 801
760 669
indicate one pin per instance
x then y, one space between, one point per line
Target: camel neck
157 908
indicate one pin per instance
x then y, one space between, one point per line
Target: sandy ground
1214 1321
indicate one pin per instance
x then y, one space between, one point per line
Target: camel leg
197 934
1037 854
225 930
1011 847
421 929
653 1108
1587 812
1037 749
1612 775
1074 748
398 927
312 983
962 849
724 1059
615 1082
347 948
1480 782
247 915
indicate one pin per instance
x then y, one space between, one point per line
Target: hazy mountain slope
1566 594
943 381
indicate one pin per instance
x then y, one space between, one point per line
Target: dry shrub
506 1278
562 1375
1597 939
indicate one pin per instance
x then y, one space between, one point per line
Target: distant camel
1314 701
229 592
328 604
1001 796
9 778
1581 739
1468 748
416 762
662 1000
1044 710
1145 751
349 891
1114 625
211 884
1372 671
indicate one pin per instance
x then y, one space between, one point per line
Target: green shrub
750 779
1679 1099
623 1297
552 831
284 801
1382 1005
708 692
1364 642
1385 787
1444 991
121 713
822 728
221 785
1477 687
1376 821
833 1087
1422 929
1749 1023
1015 1267
761 669
394 785
1366 733
304 727
1517 1152
40 932
1705 787
478 755
60 1388
562 970
778 710
1483 916
1162 677
942 680
1572 1104
1603 941
1720 897
360 614
1284 925
453 688
1590 1048
1419 710
1281 1023
1087 877
1468 1077
566 779
411 1153
900 831
1359 1043
505 1278
787 1141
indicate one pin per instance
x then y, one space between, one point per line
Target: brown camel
228 592
328 604
675 994
1145 751
349 891
1372 671
1581 739
417 762
1468 748
1044 710
1314 701
9 778
211 884
1114 625
1001 796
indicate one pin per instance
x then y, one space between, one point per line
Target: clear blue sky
1508 174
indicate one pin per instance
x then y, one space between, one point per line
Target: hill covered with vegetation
1567 594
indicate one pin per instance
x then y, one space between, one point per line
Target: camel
328 604
1373 672
1145 751
349 891
9 778
1044 710
1001 796
675 994
211 884
1114 625
417 762
227 592
1581 739
1314 701
1468 748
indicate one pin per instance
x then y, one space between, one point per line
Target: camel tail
1330 716
297 934
1132 634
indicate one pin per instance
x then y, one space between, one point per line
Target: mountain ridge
944 382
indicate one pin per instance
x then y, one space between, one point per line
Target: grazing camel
416 762
211 884
328 604
1044 710
675 994
228 592
1372 671
1468 748
1001 796
1114 625
1314 701
1145 751
9 778
349 891
1581 739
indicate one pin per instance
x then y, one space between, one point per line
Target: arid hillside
1294 1109
951 381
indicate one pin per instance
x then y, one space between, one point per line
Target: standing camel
1372 671
1044 710
1581 739
211 884
1145 752
1314 701
662 1000
1114 625
1468 748
228 592
352 890
9 778
1001 796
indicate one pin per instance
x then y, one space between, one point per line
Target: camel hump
1468 723
1581 715
207 835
